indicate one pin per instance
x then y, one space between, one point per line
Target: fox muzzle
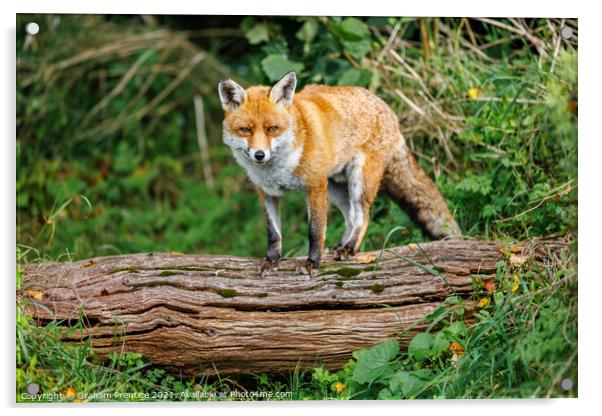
259 156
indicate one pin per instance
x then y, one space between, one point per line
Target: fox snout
260 147
260 156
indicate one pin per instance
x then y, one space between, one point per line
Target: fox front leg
317 205
271 212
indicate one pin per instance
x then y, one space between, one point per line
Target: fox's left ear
284 89
231 95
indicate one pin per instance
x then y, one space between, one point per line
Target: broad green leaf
357 49
350 77
440 344
354 76
352 29
420 346
409 383
498 298
453 300
354 36
357 354
258 33
386 394
255 32
374 363
457 328
275 66
308 31
397 381
415 382
275 47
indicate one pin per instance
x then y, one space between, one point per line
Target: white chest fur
275 176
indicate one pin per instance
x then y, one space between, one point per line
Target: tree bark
202 314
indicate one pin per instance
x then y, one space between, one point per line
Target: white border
589 185
465 8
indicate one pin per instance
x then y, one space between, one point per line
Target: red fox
332 143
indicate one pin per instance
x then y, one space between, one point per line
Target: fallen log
202 314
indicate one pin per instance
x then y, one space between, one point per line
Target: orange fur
339 131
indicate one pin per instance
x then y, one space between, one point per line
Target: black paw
309 268
268 265
343 253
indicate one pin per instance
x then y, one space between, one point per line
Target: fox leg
363 181
338 193
317 207
271 212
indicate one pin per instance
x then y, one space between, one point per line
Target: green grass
497 129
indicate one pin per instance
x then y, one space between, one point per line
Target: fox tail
408 185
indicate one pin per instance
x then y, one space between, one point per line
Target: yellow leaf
35 294
474 93
90 263
364 259
456 350
572 106
517 261
516 249
516 281
489 285
339 387
70 392
483 302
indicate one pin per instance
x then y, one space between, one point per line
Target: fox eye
272 129
245 130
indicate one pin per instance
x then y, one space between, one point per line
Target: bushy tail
417 194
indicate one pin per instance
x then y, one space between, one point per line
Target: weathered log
202 313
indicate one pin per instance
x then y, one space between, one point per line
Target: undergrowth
516 336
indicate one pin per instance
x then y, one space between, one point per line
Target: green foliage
514 348
276 65
73 372
327 50
425 346
374 362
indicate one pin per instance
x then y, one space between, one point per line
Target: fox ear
231 95
284 89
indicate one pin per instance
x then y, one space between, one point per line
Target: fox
336 144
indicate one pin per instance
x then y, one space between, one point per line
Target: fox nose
259 155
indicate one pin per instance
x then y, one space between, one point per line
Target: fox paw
307 269
343 253
268 266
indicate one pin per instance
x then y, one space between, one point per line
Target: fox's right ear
231 95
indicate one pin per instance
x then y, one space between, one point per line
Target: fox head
258 121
